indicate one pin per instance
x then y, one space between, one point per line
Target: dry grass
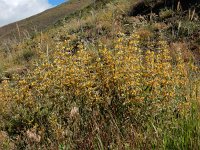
101 98
102 80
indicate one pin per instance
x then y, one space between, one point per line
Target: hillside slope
43 20
104 78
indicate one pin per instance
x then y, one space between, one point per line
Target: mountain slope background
79 19
104 77
43 20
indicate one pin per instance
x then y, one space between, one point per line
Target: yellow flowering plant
125 81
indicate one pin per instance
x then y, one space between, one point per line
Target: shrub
98 98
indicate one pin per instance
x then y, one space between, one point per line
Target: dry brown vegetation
103 79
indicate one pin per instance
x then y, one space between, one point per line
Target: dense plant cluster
98 98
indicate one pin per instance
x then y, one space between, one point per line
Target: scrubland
103 79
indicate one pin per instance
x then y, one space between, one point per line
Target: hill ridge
42 20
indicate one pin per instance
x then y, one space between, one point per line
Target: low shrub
120 98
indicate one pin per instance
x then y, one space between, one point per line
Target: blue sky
56 2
